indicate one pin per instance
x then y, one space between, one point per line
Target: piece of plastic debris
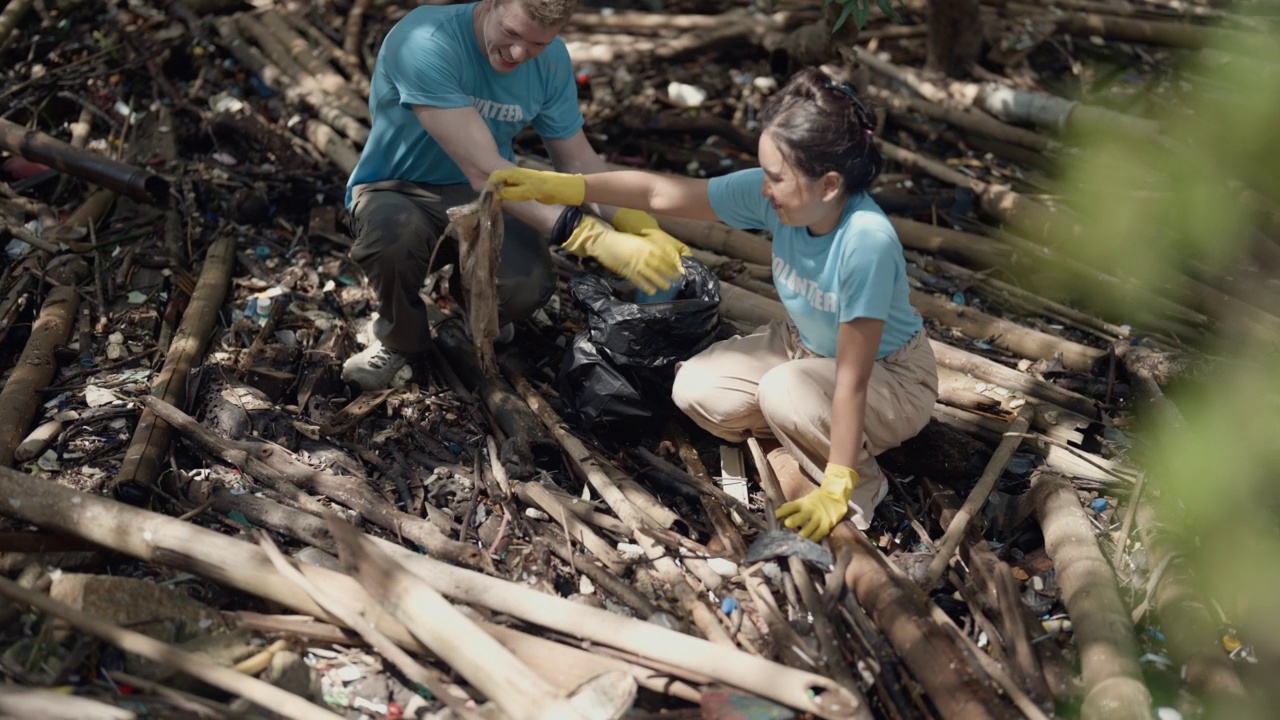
1056 626
20 168
262 252
137 298
772 544
957 298
664 619
95 396
1154 633
686 96
1156 659
1099 504
1168 713
1230 643
722 567
728 604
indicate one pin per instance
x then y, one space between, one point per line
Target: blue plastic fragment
262 251
1099 504
728 605
260 87
958 298
455 448
1155 634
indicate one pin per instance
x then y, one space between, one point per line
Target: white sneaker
374 367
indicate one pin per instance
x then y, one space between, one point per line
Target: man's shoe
374 367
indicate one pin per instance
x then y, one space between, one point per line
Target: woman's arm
856 344
662 194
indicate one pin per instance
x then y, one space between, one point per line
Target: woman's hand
548 188
645 225
819 511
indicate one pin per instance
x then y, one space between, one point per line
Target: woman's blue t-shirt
855 271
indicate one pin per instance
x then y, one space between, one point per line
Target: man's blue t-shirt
432 57
855 271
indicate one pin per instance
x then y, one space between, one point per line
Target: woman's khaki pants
768 385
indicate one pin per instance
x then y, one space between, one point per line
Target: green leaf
844 15
886 6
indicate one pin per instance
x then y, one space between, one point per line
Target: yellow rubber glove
548 188
642 223
819 511
647 264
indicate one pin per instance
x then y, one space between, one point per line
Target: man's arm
467 140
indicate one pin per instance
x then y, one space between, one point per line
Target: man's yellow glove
638 222
819 511
549 188
647 264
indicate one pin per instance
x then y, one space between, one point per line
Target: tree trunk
955 35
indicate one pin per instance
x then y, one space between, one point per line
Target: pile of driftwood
173 416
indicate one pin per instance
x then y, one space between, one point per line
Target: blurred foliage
1206 199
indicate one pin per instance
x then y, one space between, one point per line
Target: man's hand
638 222
819 511
549 188
648 264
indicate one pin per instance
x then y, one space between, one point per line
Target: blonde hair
549 13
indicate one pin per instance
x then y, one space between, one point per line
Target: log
1154 32
748 307
277 467
253 59
302 53
155 538
260 693
967 363
977 497
20 397
1017 339
13 12
1193 636
1108 649
976 250
24 702
348 61
354 619
955 36
474 654
137 183
255 26
142 459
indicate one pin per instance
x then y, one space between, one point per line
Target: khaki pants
768 385
396 225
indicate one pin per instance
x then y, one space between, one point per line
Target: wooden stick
142 459
303 53
156 538
21 396
966 118
1108 650
24 702
977 250
353 619
535 494
962 361
978 497
721 519
13 12
256 691
475 654
194 704
275 465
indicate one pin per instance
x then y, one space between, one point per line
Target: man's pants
397 224
769 385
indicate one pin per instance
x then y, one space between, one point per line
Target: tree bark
955 36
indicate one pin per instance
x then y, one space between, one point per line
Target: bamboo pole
1108 650
260 693
977 497
142 459
138 183
156 538
21 394
961 361
977 250
474 654
1017 339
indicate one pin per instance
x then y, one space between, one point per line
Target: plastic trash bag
619 369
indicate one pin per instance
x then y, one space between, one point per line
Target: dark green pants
397 224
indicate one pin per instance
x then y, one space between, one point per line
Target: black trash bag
619 370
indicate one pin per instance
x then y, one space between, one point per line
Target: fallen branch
142 459
260 693
474 654
977 498
1108 650
21 395
137 183
280 469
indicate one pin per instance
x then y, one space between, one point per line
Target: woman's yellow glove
548 188
819 511
642 223
647 264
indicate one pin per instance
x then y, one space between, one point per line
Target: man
451 88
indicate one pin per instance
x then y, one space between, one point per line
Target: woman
851 373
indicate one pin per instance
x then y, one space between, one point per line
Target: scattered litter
686 96
95 396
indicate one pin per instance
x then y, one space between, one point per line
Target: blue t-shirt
432 57
855 271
